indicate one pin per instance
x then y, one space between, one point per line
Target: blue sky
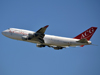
66 18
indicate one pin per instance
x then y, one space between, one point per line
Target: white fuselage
49 40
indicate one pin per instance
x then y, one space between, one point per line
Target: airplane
55 42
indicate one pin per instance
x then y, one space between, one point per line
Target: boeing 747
55 42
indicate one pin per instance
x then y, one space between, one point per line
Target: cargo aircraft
55 42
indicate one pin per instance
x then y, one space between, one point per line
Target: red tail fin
87 34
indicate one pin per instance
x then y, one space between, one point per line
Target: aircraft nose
4 32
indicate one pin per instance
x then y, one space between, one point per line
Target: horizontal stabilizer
83 41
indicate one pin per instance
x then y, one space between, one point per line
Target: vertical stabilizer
87 34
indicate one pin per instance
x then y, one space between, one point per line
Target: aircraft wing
38 35
42 30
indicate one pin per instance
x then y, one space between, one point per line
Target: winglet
46 26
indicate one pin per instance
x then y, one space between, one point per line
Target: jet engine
24 37
33 35
30 35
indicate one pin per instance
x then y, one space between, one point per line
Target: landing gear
57 48
39 45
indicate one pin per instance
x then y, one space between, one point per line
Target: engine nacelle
24 37
35 34
30 35
38 35
39 45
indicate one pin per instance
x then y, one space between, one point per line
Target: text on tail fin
86 34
